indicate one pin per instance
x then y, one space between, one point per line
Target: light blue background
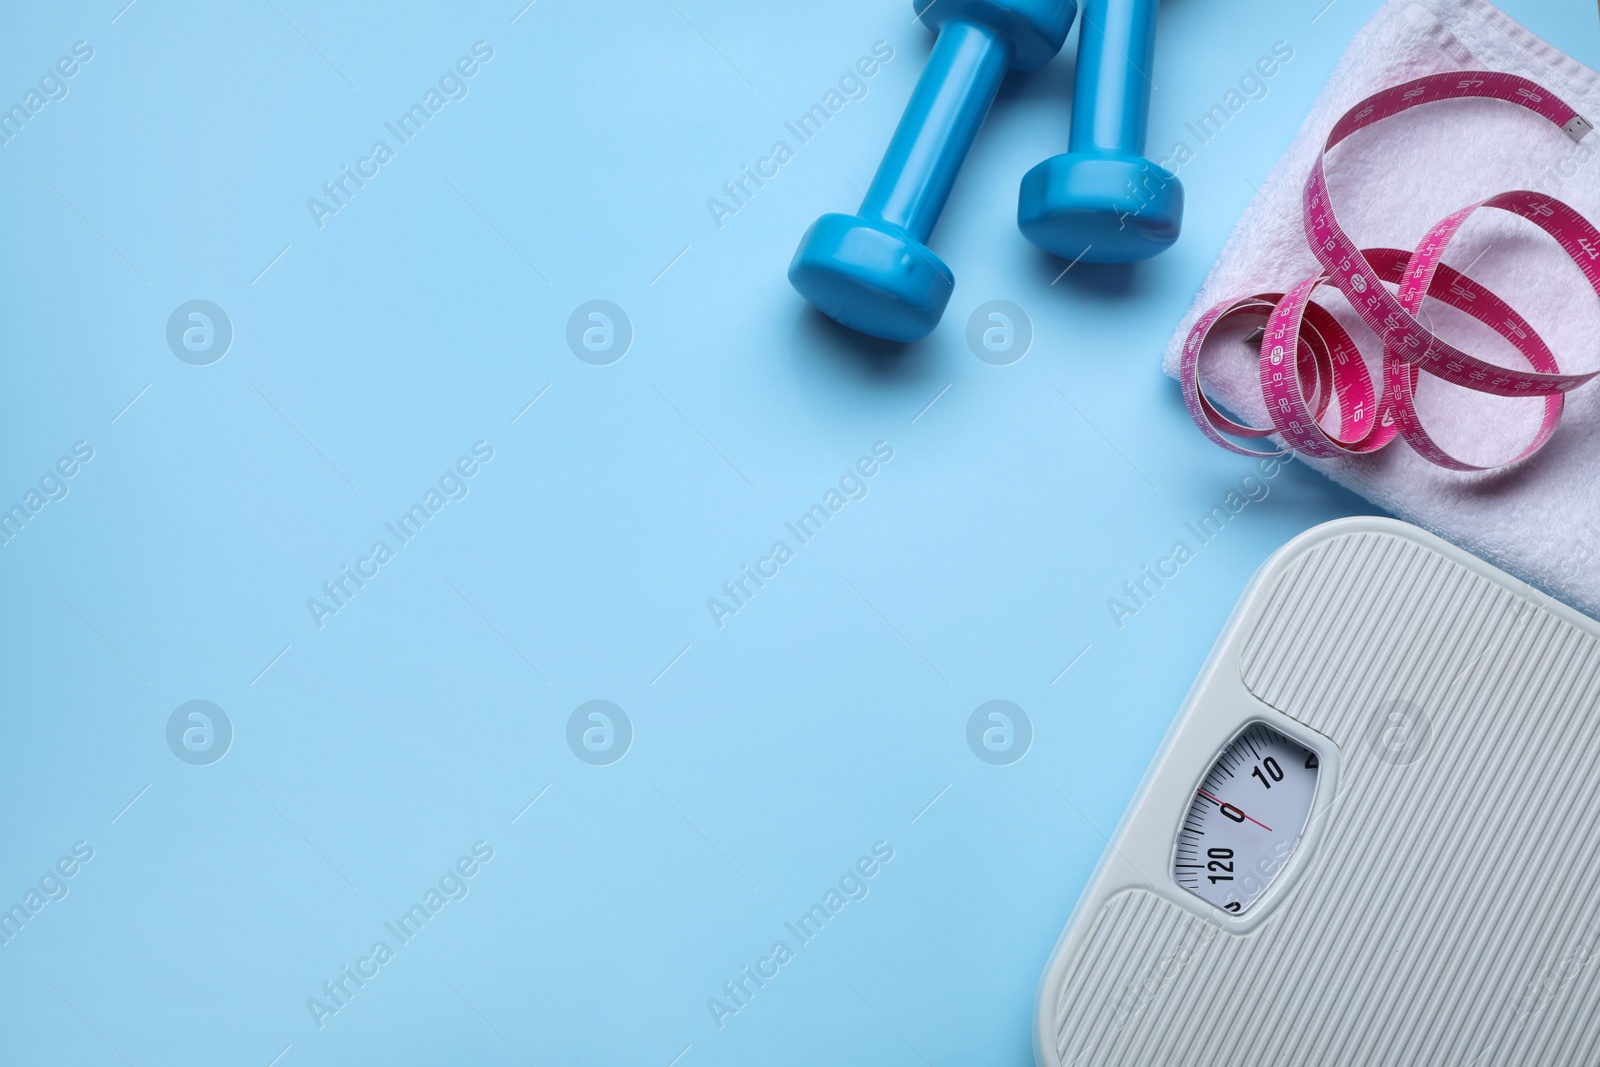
774 751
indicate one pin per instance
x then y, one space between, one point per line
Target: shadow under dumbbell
1118 281
1022 85
858 352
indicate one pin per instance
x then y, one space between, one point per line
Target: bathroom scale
1371 836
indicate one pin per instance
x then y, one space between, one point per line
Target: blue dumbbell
1103 201
872 271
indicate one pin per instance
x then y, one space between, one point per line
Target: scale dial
1246 818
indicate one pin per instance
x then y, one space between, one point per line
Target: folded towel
1539 519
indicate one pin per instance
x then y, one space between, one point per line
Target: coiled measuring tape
1309 361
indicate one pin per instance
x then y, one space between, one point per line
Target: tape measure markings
1303 343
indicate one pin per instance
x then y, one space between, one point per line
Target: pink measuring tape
1309 361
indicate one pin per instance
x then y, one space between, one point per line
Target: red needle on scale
1220 804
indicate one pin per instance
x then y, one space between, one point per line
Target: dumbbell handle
1111 87
947 107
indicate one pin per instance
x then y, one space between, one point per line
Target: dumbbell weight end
872 271
1100 208
1102 201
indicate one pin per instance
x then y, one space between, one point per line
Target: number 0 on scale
1246 818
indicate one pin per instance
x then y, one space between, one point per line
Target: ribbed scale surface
1462 885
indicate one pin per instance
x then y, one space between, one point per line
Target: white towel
1541 519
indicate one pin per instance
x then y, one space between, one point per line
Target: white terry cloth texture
1540 520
